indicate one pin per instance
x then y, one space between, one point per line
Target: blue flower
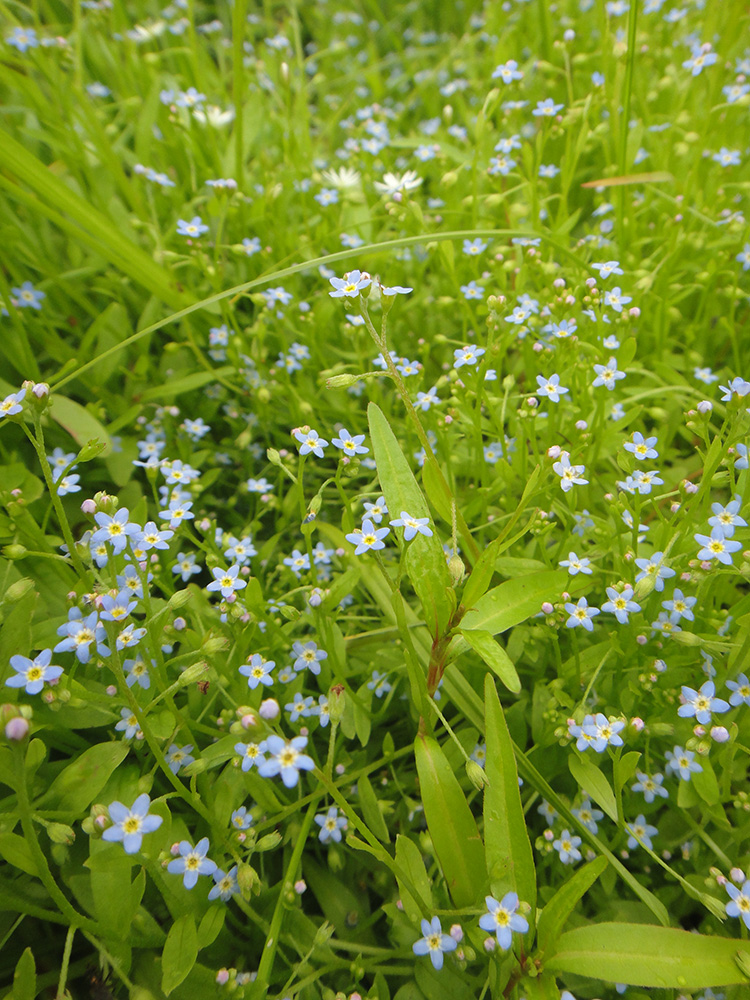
650 786
474 247
502 919
472 291
547 108
603 732
136 671
226 885
570 475
607 374
727 518
258 671
369 537
468 355
310 441
192 862
680 607
251 753
740 691
620 604
128 725
33 674
196 227
351 285
375 511
308 655
717 546
226 581
186 566
241 820
286 759
701 704
575 565
550 387
131 824
350 445
589 816
699 59
641 447
682 762
740 902
412 526
28 297
434 942
79 633
114 609
567 847
331 825
640 833
507 72
22 38
379 684
178 757
654 568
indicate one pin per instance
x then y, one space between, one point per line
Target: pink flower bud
222 977
581 425
249 720
304 731
635 312
547 608
737 876
637 723
174 850
720 734
697 730
641 640
340 769
269 709
17 729
554 451
299 886
549 836
88 506
448 418
489 944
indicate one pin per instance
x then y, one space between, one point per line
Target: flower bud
17 729
476 775
269 709
456 569
60 833
336 703
342 381
720 734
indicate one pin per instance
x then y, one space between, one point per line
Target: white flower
392 183
343 178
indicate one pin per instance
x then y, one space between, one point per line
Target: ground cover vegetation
374 442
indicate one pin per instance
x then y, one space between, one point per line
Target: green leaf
77 786
512 602
371 810
705 783
15 636
494 656
424 557
78 422
646 955
68 210
24 978
555 914
211 925
624 768
455 838
17 852
180 953
542 987
510 862
591 780
188 383
409 857
442 985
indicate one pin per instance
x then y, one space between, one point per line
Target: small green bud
342 381
476 775
273 456
180 598
14 551
91 449
214 644
336 703
687 638
194 673
247 879
196 767
269 842
19 589
456 569
60 833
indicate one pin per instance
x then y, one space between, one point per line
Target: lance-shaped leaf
509 604
646 955
452 828
494 656
424 557
510 862
555 914
591 780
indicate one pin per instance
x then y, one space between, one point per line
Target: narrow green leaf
78 422
77 786
494 656
511 603
705 783
555 914
542 987
624 768
409 857
15 851
452 827
371 810
211 925
435 491
60 203
594 783
646 955
188 383
424 557
510 862
24 978
180 953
